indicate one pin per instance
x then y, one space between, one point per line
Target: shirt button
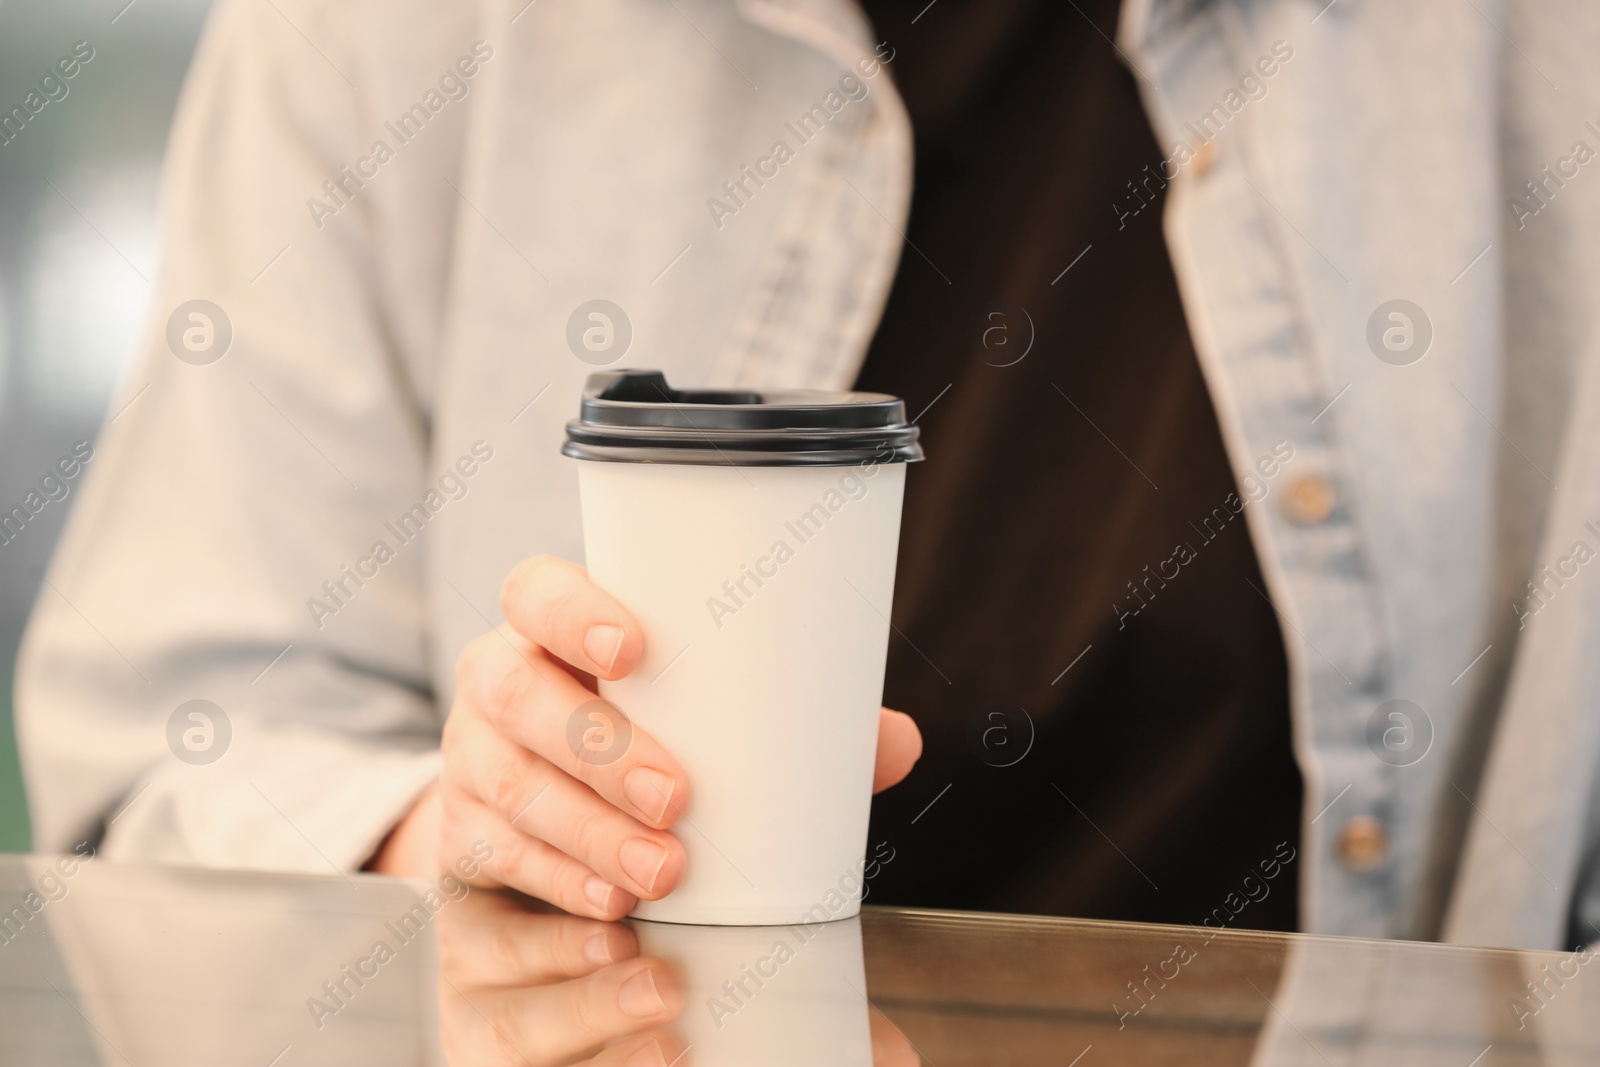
1362 843
1308 499
1204 156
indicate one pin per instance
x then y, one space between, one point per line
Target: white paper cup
764 583
778 996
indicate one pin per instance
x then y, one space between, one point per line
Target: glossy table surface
150 965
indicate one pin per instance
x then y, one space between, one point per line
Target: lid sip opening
634 416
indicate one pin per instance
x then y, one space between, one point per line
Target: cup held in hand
753 534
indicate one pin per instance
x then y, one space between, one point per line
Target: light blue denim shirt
399 206
1385 162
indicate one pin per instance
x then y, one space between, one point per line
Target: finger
899 748
554 604
529 865
514 685
506 944
553 1023
539 799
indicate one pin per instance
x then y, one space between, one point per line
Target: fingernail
601 644
638 996
600 892
650 791
649 1056
643 860
596 950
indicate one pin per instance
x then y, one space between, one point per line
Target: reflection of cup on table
753 534
769 995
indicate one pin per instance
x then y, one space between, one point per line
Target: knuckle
505 950
562 883
590 835
452 820
527 579
519 864
516 580
590 1007
505 788
544 598
508 693
470 663
558 609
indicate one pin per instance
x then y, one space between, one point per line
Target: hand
590 839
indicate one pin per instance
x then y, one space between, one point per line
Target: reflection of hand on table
891 1048
520 987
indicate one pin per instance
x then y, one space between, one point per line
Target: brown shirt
1082 632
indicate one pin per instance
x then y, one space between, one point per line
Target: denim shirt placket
1255 346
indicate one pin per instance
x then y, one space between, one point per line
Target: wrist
412 848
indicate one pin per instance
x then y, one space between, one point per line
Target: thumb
899 748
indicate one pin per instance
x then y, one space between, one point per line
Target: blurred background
78 247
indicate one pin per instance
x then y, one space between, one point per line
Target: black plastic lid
634 416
